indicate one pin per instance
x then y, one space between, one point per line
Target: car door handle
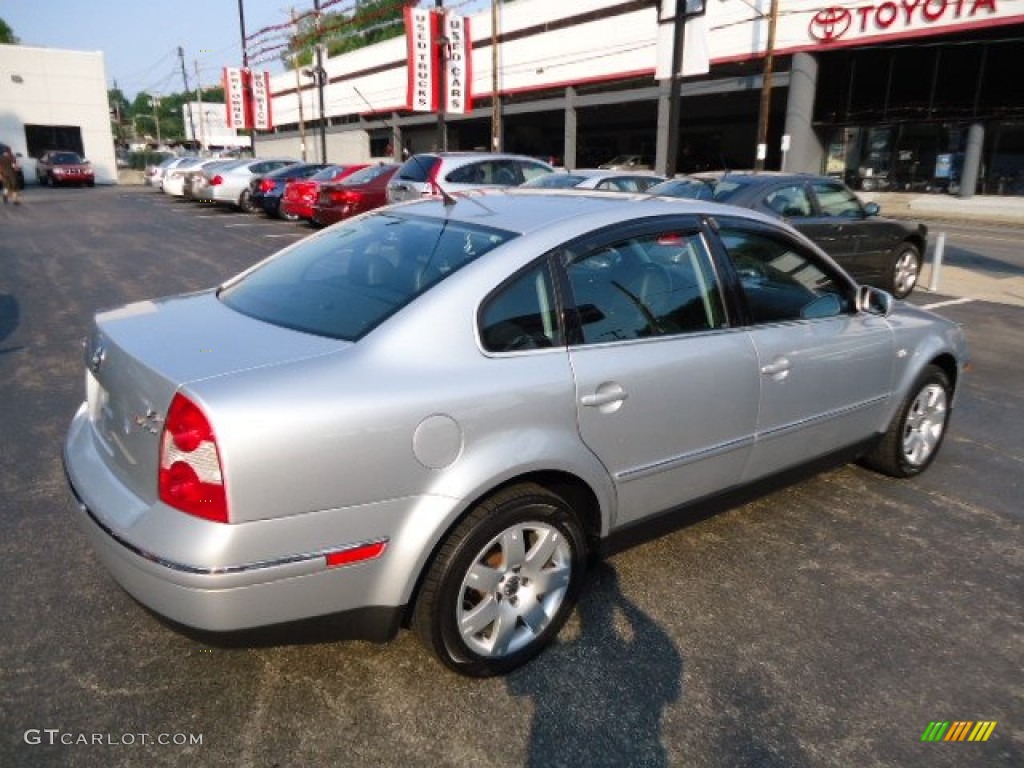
606 394
780 367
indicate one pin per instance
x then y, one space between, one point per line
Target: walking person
9 176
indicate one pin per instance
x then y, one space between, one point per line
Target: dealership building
56 99
888 94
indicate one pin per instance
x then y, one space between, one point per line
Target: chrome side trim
820 418
226 569
681 461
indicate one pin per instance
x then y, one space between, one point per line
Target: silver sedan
431 415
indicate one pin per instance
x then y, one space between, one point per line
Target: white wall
57 88
348 147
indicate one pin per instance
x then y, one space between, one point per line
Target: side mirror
872 209
874 301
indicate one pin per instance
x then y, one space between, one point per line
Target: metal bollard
940 247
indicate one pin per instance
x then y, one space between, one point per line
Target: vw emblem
98 356
830 24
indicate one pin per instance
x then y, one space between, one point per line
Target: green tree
7 36
370 21
140 113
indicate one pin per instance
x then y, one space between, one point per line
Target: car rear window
418 167
326 174
347 280
366 175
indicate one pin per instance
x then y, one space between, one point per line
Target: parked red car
362 191
300 195
64 167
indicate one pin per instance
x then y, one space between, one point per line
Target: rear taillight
190 471
266 185
343 196
218 179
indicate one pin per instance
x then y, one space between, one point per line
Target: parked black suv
877 251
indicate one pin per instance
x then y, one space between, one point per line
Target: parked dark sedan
877 251
266 191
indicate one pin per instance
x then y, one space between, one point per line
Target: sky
140 38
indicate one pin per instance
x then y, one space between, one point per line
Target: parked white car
174 178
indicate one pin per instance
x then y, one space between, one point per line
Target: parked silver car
597 178
450 172
431 414
229 184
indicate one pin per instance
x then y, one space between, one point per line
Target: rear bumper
240 594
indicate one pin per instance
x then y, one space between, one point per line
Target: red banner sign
458 82
421 35
247 98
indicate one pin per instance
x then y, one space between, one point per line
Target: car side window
655 285
836 200
532 170
522 314
780 280
620 184
473 173
790 201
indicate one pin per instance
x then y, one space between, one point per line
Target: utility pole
321 76
155 101
442 42
764 112
495 98
202 112
245 68
184 79
298 89
668 121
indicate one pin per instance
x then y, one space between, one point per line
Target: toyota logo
830 24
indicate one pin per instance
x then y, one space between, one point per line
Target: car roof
532 210
756 176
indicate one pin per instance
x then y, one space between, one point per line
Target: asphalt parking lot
824 625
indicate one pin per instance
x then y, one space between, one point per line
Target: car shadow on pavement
599 699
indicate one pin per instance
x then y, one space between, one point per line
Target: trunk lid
139 355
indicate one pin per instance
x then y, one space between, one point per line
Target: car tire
915 435
904 270
245 202
503 582
286 216
90 183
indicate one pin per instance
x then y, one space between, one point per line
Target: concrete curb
987 208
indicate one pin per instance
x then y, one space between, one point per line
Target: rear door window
661 284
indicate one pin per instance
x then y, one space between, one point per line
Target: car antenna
445 197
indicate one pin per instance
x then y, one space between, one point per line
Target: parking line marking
949 303
287 234
243 224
